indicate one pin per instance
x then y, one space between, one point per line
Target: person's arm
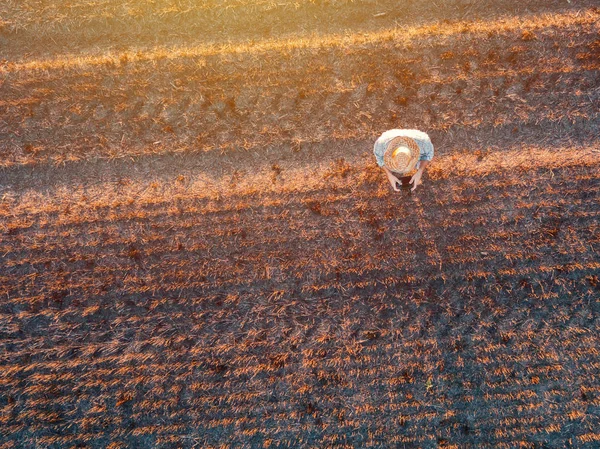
392 178
422 165
416 178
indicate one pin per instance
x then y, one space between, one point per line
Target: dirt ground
197 248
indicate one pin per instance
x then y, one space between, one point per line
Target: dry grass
199 314
421 36
203 99
197 249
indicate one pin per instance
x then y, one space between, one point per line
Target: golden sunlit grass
300 179
423 36
205 98
58 16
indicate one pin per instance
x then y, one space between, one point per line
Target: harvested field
197 249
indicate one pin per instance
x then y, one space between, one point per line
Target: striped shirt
422 139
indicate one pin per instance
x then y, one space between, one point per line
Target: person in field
402 152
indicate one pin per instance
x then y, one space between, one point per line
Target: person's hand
393 180
416 180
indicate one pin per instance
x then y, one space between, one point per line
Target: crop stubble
161 295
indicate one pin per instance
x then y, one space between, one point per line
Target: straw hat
401 154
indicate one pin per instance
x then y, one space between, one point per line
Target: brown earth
198 250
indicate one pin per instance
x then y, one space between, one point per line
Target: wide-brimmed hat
401 154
